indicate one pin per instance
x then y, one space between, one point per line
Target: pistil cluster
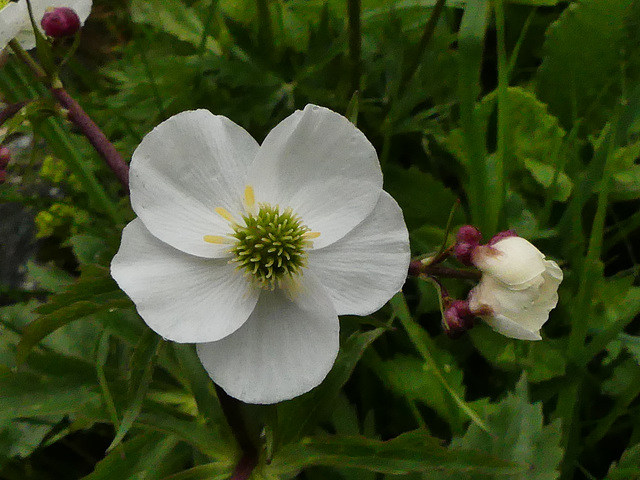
271 245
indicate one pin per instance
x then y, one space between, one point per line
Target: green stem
13 82
355 42
427 34
503 121
470 46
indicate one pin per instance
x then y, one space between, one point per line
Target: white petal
318 163
364 269
509 328
282 351
181 297
513 260
13 18
182 171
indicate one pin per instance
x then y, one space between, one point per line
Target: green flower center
3 3
271 245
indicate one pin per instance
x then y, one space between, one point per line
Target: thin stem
232 412
95 136
419 269
80 118
28 60
427 34
10 110
355 42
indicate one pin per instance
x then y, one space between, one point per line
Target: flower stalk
79 117
232 412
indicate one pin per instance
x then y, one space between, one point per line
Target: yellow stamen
311 235
224 213
249 199
219 240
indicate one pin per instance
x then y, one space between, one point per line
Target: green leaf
29 395
541 360
583 57
423 199
424 345
141 370
517 435
411 378
174 18
210 471
414 451
136 458
627 468
94 292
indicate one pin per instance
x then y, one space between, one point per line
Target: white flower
253 251
15 22
518 287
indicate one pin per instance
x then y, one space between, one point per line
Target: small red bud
60 22
457 318
5 157
469 234
468 238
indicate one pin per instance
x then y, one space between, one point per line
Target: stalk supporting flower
252 252
15 21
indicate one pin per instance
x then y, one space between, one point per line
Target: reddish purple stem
10 110
95 136
417 268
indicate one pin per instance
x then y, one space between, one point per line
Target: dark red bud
469 234
60 22
457 318
502 235
5 157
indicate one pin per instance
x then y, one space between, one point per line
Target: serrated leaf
582 58
627 468
517 435
414 451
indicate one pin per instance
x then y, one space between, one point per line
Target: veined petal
365 268
183 170
527 307
319 164
13 18
184 298
513 261
509 328
285 349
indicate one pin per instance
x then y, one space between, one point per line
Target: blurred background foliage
528 111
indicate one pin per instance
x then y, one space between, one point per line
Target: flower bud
467 239
60 22
518 288
5 157
457 318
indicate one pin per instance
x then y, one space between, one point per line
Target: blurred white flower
518 287
253 251
15 22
